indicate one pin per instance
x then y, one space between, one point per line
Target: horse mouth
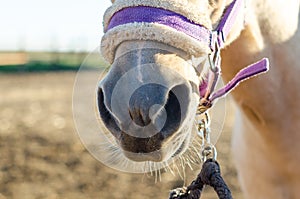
156 156
170 150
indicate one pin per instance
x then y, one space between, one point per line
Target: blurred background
42 45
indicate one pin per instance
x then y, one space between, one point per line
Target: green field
50 61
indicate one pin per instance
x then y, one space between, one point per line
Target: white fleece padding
194 10
150 31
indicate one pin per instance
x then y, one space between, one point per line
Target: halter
213 39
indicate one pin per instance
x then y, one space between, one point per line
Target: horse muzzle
145 103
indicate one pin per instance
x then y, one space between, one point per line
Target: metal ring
209 151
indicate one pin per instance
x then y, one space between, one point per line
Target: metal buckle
208 149
215 68
203 106
215 57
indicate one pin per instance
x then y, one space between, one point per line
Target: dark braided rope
210 174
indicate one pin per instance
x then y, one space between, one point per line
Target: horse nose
154 108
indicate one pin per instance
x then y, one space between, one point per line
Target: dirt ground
41 155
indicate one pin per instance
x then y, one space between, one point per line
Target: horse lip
142 157
158 155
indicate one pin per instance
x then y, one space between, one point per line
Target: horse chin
171 150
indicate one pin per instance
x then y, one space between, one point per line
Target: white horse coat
266 132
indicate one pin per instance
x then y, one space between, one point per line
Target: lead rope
210 173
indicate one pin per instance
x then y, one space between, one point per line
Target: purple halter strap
214 39
160 16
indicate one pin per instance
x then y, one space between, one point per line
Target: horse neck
264 100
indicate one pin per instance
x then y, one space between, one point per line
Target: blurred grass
49 61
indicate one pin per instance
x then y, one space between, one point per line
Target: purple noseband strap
168 18
213 39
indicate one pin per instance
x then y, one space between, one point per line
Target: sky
48 25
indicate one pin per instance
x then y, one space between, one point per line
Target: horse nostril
173 109
105 115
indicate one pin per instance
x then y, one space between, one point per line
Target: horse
265 134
